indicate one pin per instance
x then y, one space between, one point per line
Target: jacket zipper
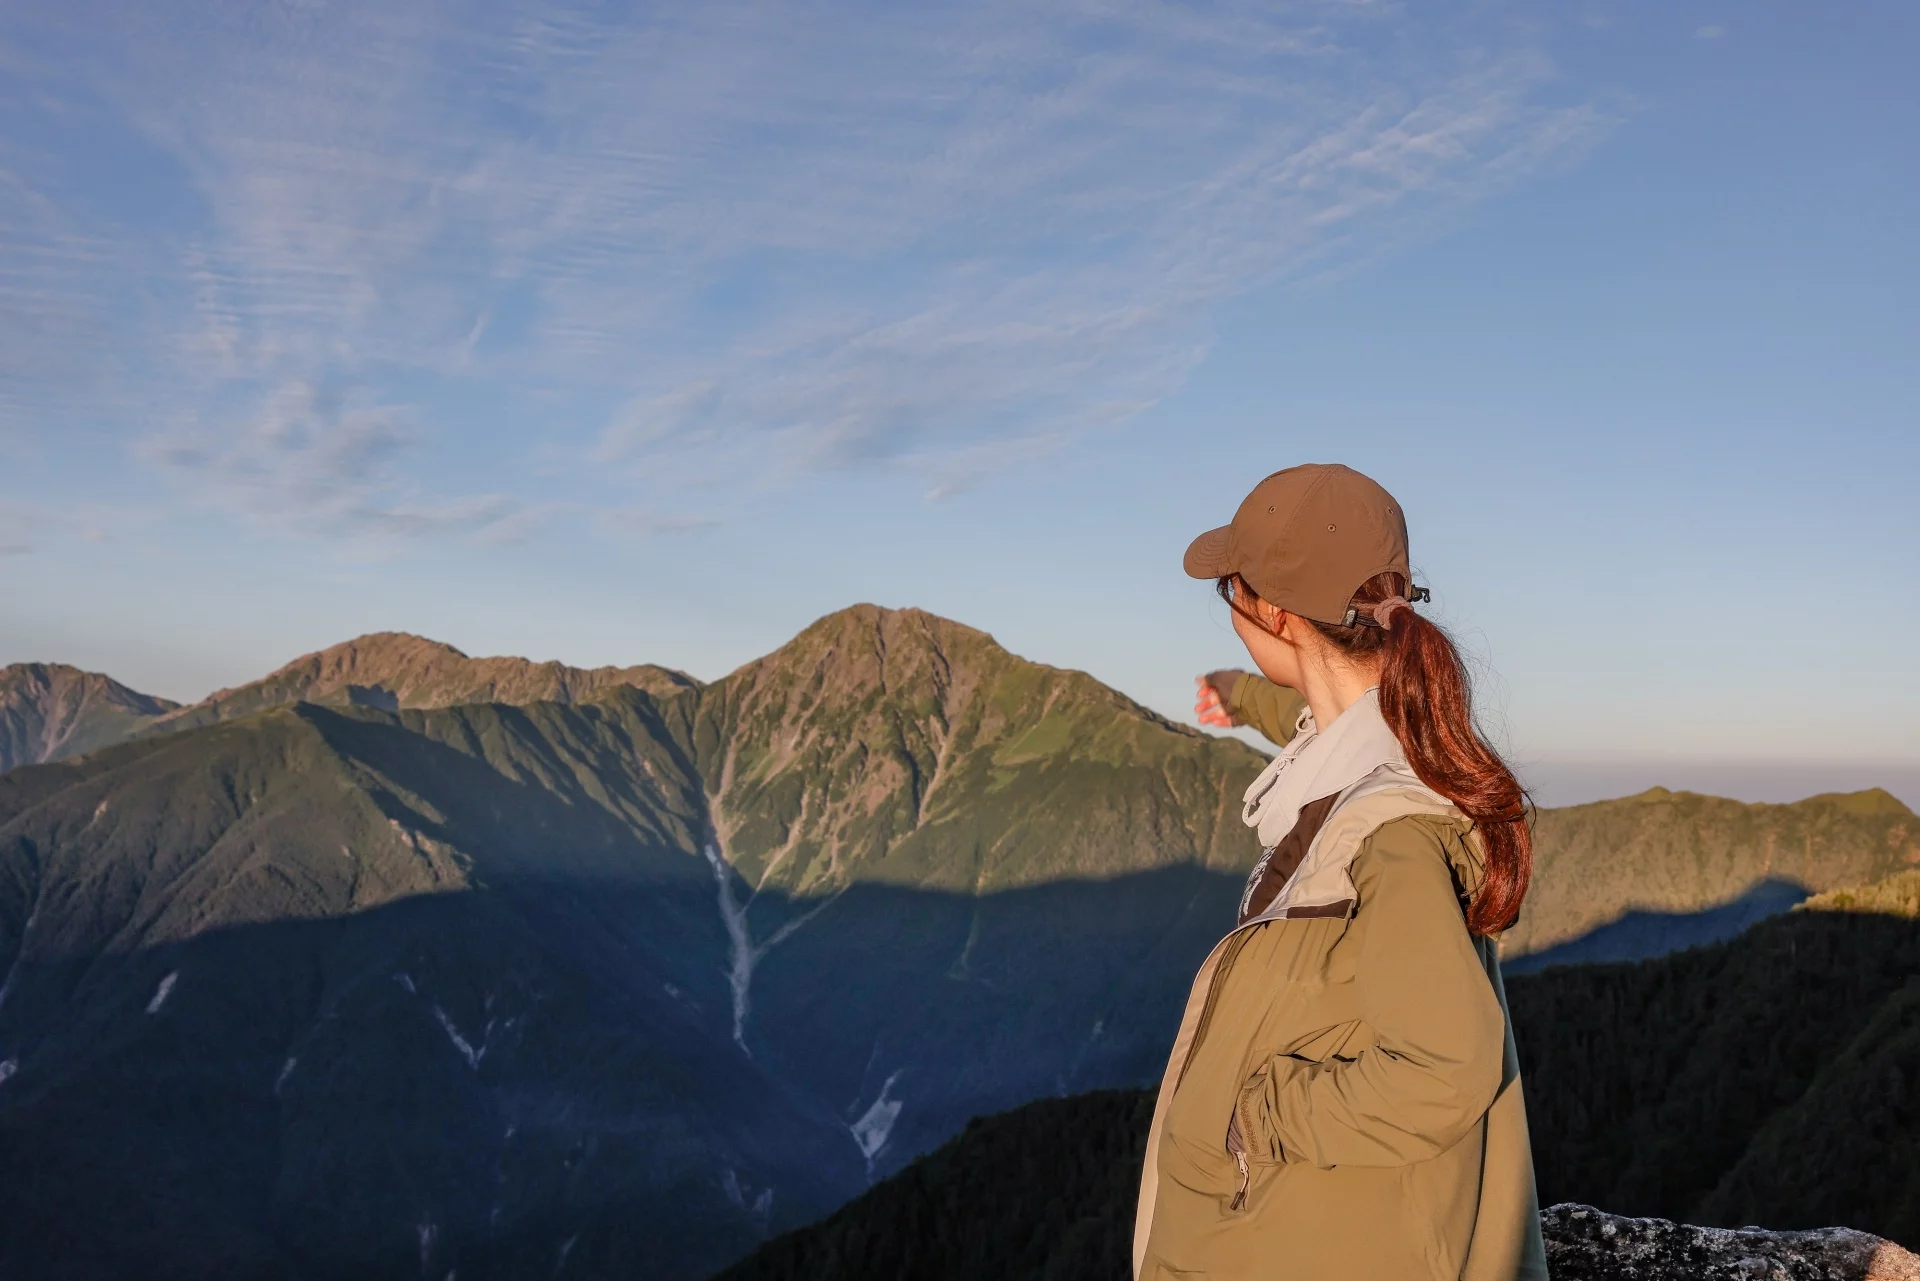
1233 943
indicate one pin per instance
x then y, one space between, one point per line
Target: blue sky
617 334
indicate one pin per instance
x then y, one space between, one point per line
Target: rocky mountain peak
51 710
867 638
377 654
59 680
850 754
394 670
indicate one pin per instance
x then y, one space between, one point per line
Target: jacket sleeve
1424 991
1259 704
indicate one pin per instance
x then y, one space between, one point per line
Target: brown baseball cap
1306 538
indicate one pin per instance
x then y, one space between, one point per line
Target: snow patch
161 993
286 1070
460 1043
876 1123
962 963
566 1248
762 1204
743 954
7 1068
428 1232
406 980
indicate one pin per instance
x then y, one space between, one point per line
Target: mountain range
617 984
1643 875
49 712
399 962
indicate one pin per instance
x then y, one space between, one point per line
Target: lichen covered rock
1585 1244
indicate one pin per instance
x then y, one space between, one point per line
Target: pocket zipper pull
1237 1144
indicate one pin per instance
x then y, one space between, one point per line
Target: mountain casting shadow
1639 934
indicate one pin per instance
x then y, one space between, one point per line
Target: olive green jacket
1343 1098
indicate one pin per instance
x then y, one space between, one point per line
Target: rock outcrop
1585 1244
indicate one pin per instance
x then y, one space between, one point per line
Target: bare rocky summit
49 711
1585 1244
395 670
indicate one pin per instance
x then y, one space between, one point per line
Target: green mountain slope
49 711
1763 1080
863 750
1677 853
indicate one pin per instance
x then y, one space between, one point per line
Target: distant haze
1575 781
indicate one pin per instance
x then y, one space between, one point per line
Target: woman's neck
1331 690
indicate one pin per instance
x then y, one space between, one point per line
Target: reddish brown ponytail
1426 698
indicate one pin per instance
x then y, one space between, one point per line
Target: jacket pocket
1239 1123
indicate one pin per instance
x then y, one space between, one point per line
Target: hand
1210 700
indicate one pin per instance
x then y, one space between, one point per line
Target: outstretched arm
1233 697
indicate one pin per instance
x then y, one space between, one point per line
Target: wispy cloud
28 528
371 238
1709 32
308 460
642 522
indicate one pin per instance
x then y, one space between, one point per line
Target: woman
1343 1099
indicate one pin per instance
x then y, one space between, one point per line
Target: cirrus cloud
368 240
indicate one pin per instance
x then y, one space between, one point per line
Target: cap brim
1210 555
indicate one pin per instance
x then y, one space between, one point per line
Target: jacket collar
1320 763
